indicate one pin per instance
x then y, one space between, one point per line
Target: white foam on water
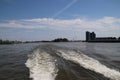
89 63
41 65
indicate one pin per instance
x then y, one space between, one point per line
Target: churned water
60 61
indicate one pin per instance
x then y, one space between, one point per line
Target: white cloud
105 23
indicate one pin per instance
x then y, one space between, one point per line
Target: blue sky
49 19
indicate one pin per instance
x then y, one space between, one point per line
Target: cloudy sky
49 19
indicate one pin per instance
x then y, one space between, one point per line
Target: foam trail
90 63
41 65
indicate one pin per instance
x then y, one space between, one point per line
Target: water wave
89 63
42 65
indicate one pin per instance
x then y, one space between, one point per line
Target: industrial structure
91 37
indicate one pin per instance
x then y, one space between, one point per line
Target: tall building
87 36
90 36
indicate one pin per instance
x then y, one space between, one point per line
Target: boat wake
43 63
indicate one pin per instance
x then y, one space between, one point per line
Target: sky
27 20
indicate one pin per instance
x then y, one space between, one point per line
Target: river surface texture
60 61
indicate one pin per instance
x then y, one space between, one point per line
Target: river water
60 61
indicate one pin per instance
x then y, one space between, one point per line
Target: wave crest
42 65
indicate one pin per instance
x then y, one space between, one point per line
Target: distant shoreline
11 43
2 42
103 41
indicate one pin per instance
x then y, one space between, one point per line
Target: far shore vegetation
55 40
60 40
19 42
9 42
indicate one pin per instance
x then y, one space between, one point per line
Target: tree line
17 42
60 40
9 42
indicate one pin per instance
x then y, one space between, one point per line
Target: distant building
87 36
105 39
91 37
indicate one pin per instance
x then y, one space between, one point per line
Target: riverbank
9 42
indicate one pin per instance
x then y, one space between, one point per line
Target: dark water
60 61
